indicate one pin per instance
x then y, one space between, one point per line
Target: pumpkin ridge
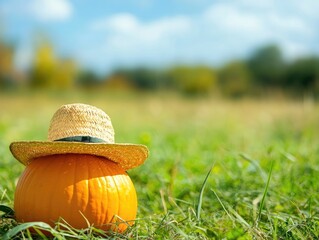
106 177
80 204
52 210
69 191
47 169
87 181
20 190
102 184
119 203
36 201
73 199
94 190
128 198
27 184
31 187
110 195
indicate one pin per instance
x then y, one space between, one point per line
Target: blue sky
104 34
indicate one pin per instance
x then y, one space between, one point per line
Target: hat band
87 139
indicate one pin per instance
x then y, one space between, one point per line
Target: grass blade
223 206
265 193
8 212
14 231
200 198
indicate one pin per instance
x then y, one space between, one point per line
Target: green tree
267 66
193 80
234 79
141 77
303 75
88 79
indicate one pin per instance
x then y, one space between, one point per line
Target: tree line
264 71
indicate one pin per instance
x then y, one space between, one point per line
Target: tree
44 66
267 66
303 75
193 80
141 78
118 82
65 74
235 79
88 79
6 65
48 71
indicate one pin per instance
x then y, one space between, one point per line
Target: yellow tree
6 64
44 66
65 74
193 80
118 82
48 71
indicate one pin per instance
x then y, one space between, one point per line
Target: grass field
263 156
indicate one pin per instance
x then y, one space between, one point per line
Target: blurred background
223 83
195 47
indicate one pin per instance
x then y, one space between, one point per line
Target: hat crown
79 119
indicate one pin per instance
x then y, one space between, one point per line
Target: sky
106 34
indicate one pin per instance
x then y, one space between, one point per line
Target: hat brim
126 155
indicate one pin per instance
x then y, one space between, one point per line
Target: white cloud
248 24
222 31
121 22
231 19
306 8
256 23
126 24
128 39
50 10
289 24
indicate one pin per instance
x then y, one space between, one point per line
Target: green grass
264 183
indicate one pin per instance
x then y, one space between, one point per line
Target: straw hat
81 129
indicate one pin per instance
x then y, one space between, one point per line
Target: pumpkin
77 188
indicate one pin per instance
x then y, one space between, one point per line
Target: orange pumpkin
76 187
